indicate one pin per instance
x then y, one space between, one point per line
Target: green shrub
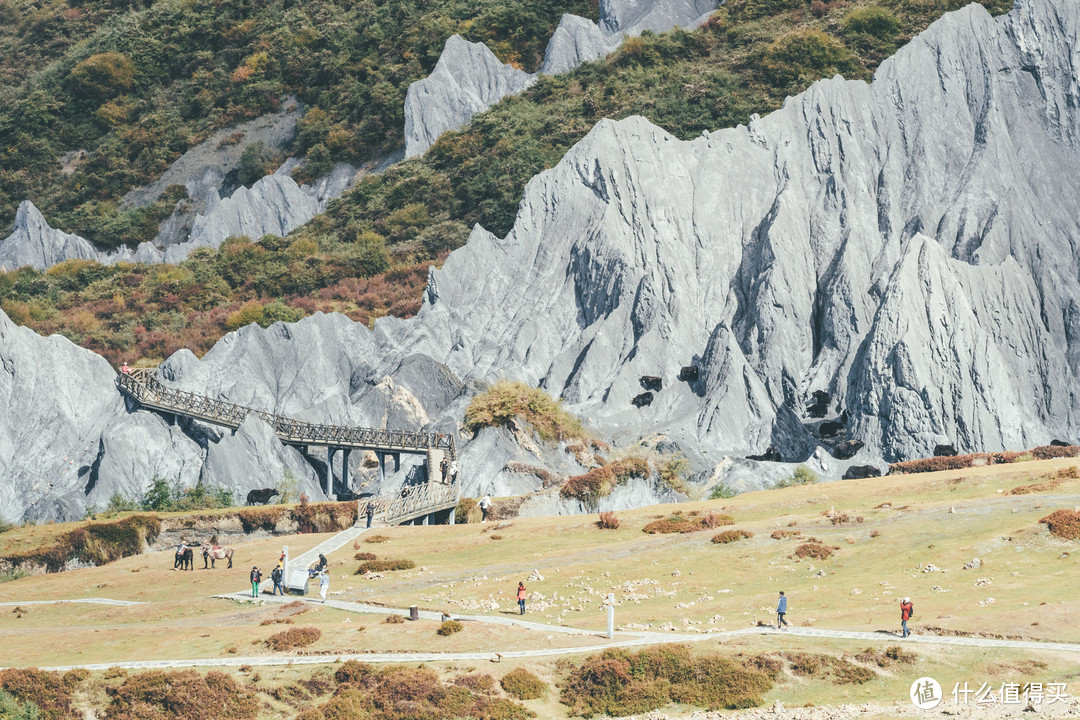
617 682
722 492
803 56
875 21
12 709
102 76
293 638
504 401
385 566
449 627
801 475
743 10
523 685
467 511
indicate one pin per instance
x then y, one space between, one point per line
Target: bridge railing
143 385
414 499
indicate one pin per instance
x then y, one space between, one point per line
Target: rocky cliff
469 79
909 247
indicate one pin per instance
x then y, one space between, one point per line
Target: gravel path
90 601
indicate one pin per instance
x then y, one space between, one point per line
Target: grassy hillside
136 84
368 255
889 537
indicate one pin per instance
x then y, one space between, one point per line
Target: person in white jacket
324 584
485 503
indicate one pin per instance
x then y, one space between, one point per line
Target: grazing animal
261 497
216 552
185 558
830 429
643 399
689 373
770 455
1059 443
820 406
858 472
652 382
847 450
944 451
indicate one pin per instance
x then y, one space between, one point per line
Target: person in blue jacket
781 611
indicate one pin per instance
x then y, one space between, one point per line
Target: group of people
319 570
449 470
907 611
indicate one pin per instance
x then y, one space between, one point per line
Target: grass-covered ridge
368 255
136 84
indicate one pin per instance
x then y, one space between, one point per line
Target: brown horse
214 553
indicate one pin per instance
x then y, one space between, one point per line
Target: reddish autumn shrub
814 550
730 536
600 481
521 684
293 638
679 523
784 534
933 464
181 695
1047 452
1064 524
47 690
608 521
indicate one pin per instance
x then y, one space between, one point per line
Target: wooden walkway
143 386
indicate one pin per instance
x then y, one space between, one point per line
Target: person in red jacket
521 597
907 610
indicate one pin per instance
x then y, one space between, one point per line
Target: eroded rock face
252 458
908 247
469 79
33 242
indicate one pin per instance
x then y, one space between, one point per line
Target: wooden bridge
144 388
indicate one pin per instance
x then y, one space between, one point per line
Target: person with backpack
256 578
521 597
277 575
781 611
907 611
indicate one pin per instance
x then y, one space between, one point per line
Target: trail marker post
610 602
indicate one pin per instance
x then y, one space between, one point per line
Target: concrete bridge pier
382 465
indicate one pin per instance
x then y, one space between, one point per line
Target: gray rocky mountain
34 243
908 246
469 79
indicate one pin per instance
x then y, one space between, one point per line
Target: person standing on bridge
485 503
125 369
453 471
444 468
256 579
521 597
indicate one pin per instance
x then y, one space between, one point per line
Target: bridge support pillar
345 470
397 462
426 519
382 469
328 483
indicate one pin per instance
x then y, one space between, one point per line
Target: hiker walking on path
781 611
521 597
324 584
907 611
256 578
277 575
485 503
370 512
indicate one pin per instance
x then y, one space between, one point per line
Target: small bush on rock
523 685
505 400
